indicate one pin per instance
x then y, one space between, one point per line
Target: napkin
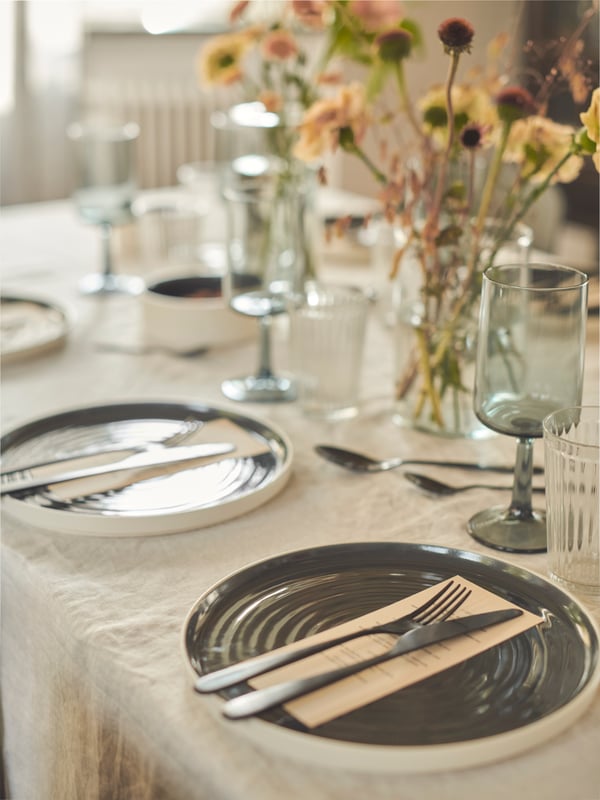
365 687
219 430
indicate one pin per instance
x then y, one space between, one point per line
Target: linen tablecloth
96 696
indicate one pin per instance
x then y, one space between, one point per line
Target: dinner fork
439 607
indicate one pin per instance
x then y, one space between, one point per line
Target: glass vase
269 195
271 224
435 335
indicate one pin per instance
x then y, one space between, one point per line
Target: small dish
30 327
183 312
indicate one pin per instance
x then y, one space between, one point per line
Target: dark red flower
456 34
515 103
471 136
394 45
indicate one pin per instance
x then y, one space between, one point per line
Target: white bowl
188 311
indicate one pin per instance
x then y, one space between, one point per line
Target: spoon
357 462
437 487
145 350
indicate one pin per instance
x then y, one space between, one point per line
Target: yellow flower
470 104
323 121
591 120
538 144
220 58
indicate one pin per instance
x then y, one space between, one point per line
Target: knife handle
246 705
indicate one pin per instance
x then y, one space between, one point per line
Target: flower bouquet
458 172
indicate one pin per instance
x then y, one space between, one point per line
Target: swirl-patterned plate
494 705
179 501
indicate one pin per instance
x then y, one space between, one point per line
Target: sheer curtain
44 41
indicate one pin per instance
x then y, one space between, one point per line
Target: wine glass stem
520 505
264 363
106 230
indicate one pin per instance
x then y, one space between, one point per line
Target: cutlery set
422 627
358 462
21 479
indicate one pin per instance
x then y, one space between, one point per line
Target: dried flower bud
471 136
456 34
515 103
346 138
394 45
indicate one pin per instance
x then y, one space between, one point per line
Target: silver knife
260 700
10 483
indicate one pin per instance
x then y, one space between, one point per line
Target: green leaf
413 28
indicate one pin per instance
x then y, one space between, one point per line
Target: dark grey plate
192 498
519 683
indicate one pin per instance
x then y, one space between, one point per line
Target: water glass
327 335
572 467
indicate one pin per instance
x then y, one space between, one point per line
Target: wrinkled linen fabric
97 697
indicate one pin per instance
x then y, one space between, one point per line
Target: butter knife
10 483
255 702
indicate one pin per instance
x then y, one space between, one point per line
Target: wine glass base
255 389
505 529
111 284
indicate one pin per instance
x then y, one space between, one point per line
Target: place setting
329 654
141 468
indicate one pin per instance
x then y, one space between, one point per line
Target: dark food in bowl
193 286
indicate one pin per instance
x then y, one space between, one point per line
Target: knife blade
255 702
10 484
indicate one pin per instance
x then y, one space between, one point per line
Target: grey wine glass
263 264
530 354
104 158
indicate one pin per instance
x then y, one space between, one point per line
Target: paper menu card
218 430
369 685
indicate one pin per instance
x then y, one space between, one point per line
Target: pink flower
238 10
376 15
272 101
311 13
278 46
328 119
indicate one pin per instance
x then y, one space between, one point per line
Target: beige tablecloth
96 695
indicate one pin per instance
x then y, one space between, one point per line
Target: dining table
97 693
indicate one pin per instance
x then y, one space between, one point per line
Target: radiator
174 120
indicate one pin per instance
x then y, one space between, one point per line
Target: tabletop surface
93 664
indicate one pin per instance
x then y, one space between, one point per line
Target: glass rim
548 265
111 131
549 433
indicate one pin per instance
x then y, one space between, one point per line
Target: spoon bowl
359 462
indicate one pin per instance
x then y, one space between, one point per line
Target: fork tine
458 602
436 599
451 605
445 606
